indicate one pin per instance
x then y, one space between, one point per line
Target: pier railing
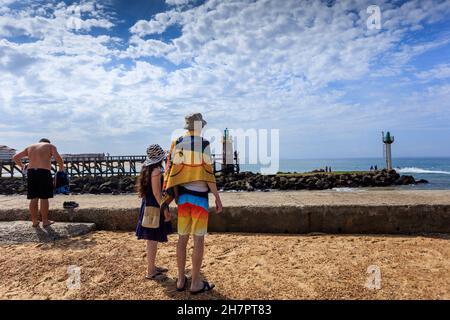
86 166
106 166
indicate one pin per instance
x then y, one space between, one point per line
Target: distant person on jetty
188 179
40 181
153 224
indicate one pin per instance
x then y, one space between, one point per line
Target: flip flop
36 225
206 287
70 205
155 276
162 270
48 224
184 285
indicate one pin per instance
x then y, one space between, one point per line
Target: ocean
435 170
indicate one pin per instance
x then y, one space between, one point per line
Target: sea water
435 170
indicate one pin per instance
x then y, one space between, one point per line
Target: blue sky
114 76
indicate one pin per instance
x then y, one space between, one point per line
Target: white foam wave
419 170
344 189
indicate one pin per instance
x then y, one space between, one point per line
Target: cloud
441 71
157 25
301 66
47 21
178 2
144 48
265 51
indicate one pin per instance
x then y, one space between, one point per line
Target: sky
115 76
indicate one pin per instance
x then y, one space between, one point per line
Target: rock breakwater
244 181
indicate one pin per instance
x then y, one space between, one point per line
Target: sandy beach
242 266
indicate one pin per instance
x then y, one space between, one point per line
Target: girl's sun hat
155 154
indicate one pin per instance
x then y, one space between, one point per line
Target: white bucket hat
155 154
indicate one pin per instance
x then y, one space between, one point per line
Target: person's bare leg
152 247
181 259
44 212
197 259
34 208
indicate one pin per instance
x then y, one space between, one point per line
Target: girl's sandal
161 269
184 285
156 276
48 224
206 287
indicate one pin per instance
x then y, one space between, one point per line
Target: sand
242 266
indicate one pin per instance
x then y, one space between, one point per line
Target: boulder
319 185
22 231
249 187
367 180
405 180
94 190
242 181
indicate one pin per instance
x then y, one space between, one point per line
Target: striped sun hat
155 154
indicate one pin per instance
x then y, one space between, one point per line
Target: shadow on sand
50 236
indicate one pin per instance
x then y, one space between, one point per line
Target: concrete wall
401 219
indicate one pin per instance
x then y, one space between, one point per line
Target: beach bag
151 217
62 183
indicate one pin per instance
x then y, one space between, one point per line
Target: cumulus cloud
157 25
273 61
265 51
441 71
178 2
143 48
46 21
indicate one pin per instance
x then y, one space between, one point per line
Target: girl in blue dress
149 186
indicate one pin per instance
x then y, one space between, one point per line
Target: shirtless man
40 181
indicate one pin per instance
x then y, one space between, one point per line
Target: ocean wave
419 170
345 189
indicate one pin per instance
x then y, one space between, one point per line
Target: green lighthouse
388 140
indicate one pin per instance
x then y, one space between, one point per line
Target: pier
104 166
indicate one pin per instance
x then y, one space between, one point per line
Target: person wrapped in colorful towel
188 179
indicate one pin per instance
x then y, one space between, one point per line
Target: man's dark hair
44 140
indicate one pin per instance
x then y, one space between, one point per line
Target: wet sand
242 266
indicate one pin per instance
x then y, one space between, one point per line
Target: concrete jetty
360 211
